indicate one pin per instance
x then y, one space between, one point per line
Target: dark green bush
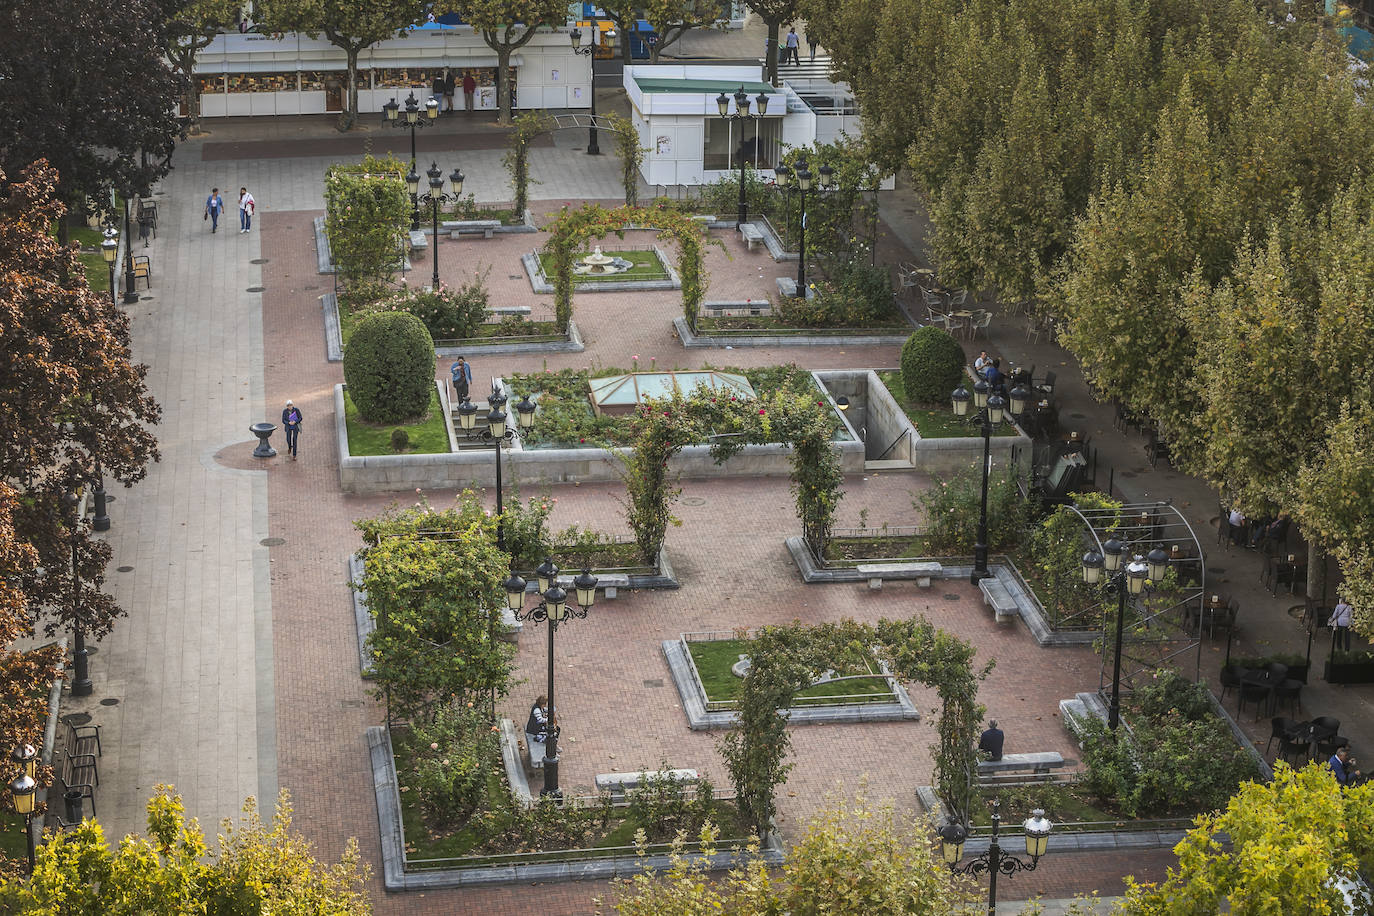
400 440
451 312
857 294
932 366
389 367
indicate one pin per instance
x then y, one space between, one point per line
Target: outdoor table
1309 733
1262 678
1188 566
1212 607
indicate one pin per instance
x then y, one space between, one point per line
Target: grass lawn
646 267
12 842
428 436
480 839
714 659
97 271
938 422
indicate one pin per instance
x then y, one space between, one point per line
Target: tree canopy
506 26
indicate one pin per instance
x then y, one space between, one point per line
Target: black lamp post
995 861
991 411
434 197
24 791
742 113
803 187
130 294
497 432
590 51
109 250
412 121
82 685
101 521
1127 580
553 609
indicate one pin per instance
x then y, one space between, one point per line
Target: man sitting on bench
991 741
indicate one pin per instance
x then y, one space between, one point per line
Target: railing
1082 827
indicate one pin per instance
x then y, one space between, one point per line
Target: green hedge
389 367
932 365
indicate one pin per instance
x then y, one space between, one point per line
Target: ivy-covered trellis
575 228
664 427
786 659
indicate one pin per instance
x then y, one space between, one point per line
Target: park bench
921 572
619 783
459 228
77 773
143 268
83 740
746 308
996 596
607 583
418 240
505 311
1018 769
753 236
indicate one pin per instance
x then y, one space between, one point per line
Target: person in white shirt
246 207
981 363
1340 625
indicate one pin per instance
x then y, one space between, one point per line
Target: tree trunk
503 104
350 113
190 100
625 42
770 54
1316 572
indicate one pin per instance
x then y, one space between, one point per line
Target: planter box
1349 672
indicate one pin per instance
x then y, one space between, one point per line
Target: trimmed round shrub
389 367
932 365
400 440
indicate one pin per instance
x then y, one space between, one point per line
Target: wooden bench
996 596
83 740
505 311
143 268
620 783
753 236
459 228
921 572
1014 769
418 240
608 584
77 773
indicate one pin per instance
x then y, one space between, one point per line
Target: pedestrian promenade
236 669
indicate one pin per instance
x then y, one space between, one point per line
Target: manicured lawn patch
714 658
97 271
647 266
938 422
428 435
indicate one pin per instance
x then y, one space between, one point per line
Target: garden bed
714 658
752 325
647 266
428 436
1349 668
939 422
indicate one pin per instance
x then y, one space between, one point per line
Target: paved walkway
237 669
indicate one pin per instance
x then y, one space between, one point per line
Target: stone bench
620 783
515 771
996 596
753 236
1014 768
608 584
740 309
459 228
418 240
506 311
921 572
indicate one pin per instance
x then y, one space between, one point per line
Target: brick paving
615 696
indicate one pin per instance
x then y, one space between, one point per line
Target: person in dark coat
537 725
991 741
291 422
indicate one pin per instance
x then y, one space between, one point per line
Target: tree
259 868
517 158
774 13
87 88
434 580
853 860
350 25
72 400
671 19
190 29
506 26
1292 844
631 155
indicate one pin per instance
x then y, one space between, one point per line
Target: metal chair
1328 746
1298 750
1046 387
981 320
1290 689
1329 723
1230 679
1279 727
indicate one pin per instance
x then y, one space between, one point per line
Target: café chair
1328 746
1290 689
1230 679
1297 750
1279 727
1331 725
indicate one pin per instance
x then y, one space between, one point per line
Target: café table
1261 679
1214 607
1309 733
1293 568
1189 567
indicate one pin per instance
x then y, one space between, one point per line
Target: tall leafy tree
775 14
350 25
506 26
70 398
191 26
259 867
671 19
87 88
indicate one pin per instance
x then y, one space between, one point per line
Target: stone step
888 464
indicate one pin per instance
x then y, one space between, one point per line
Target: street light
434 197
109 250
742 113
1127 580
82 685
590 51
553 609
953 835
991 412
804 185
391 112
24 790
130 294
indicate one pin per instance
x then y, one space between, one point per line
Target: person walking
461 371
1340 625
469 89
291 422
246 207
214 206
812 42
448 89
792 44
